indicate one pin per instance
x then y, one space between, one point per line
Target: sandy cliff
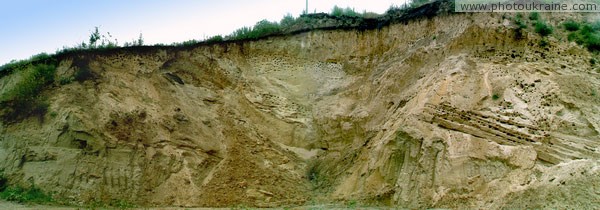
451 111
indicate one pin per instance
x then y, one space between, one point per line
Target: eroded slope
452 111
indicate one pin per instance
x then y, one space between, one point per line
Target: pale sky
30 27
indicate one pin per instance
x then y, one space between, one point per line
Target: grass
11 66
23 195
34 195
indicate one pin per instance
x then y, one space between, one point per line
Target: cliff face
451 111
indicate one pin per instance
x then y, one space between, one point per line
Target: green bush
338 12
534 16
22 195
264 28
592 41
287 21
261 29
587 35
571 25
214 39
241 33
543 29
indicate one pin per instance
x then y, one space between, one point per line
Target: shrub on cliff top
261 29
338 12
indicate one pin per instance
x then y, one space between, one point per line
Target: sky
29 27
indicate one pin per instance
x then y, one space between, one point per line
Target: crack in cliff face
387 117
